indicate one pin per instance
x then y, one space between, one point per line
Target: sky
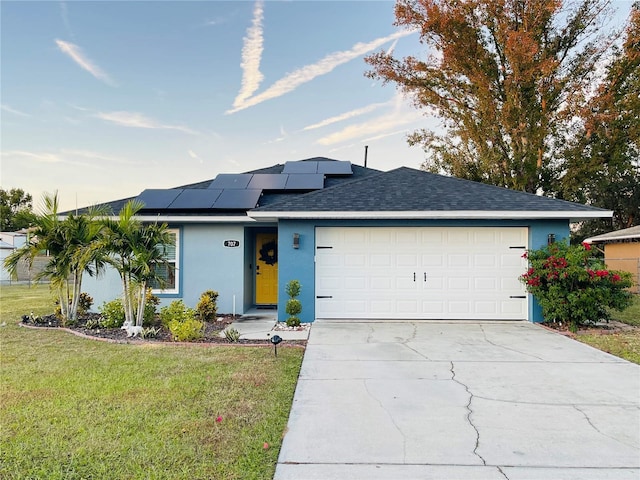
101 100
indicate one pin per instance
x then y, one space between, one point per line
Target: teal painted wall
300 263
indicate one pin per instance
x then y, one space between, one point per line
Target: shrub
207 306
176 310
232 335
293 288
84 303
572 288
293 306
92 324
187 330
112 314
151 303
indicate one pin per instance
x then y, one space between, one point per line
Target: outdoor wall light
296 240
551 238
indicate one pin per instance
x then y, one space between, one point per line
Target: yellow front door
266 268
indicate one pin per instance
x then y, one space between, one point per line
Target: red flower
602 273
525 255
219 419
616 277
265 445
587 246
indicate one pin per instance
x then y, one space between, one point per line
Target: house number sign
232 243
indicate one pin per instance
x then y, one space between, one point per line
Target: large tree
601 162
15 209
502 75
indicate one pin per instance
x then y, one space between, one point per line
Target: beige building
621 251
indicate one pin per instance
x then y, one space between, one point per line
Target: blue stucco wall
205 264
300 263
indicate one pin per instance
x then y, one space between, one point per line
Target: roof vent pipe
366 147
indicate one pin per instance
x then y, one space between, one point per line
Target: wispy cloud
137 120
78 56
64 13
378 126
68 156
346 116
283 136
7 108
307 73
251 57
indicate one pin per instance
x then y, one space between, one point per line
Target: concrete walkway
429 400
261 325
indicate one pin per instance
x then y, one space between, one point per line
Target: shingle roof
266 199
406 189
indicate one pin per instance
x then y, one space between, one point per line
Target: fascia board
439 214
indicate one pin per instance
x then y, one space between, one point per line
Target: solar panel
301 167
305 181
195 198
268 181
236 199
158 198
334 167
231 180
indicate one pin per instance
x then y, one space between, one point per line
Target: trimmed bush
181 322
293 306
572 288
207 306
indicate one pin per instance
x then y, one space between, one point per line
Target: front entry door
266 268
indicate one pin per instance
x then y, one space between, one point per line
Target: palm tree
136 250
70 244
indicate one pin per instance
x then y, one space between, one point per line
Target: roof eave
573 216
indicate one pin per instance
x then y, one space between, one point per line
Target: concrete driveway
430 400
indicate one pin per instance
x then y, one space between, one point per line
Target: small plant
150 332
85 302
151 303
176 310
232 335
188 330
112 314
92 324
181 322
207 306
572 288
293 306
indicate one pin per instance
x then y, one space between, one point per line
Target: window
169 271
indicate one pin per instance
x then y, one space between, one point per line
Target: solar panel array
242 191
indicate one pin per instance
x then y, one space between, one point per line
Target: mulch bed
601 328
118 335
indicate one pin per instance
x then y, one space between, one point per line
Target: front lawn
621 344
73 408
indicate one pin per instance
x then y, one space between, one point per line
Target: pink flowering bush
572 287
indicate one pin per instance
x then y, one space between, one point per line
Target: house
6 249
621 251
364 244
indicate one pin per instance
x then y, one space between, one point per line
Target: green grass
623 345
73 408
631 315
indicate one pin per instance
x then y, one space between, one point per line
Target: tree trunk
142 291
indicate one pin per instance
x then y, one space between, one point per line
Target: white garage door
420 273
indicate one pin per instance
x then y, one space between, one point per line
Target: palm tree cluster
88 242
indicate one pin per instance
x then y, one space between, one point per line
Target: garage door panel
423 272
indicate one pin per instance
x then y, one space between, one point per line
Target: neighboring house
622 251
5 250
364 244
25 271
